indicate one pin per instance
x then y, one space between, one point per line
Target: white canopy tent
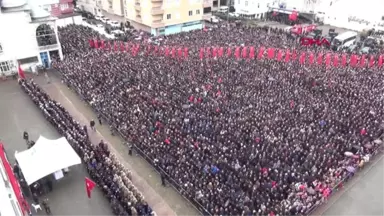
46 157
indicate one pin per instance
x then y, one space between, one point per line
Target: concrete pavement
164 200
19 114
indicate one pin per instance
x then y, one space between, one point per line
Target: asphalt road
19 114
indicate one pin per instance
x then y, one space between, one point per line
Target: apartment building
113 7
164 17
89 5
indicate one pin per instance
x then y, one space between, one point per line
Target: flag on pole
261 53
229 52
252 52
371 61
287 56
237 52
362 61
186 52
320 59
353 60
327 59
20 72
344 60
89 185
91 43
244 53
336 60
311 58
271 53
221 52
302 58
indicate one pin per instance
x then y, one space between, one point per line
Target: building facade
253 8
90 6
113 7
29 37
164 17
57 8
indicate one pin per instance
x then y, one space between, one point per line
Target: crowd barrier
175 185
327 58
158 169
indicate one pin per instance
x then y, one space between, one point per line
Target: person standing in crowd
48 80
92 124
99 118
26 136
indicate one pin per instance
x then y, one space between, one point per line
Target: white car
99 17
114 24
99 26
117 32
105 20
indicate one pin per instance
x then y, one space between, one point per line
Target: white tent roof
46 157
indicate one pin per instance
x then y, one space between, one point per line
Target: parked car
99 17
99 26
114 24
105 20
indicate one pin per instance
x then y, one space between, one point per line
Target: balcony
157 24
156 1
157 11
137 7
157 18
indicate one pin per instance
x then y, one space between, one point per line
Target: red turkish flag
271 53
362 61
320 59
252 52
302 58
244 52
371 61
21 72
328 59
311 58
261 53
237 52
201 53
89 185
335 60
343 60
287 56
229 52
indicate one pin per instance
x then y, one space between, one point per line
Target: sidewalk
163 200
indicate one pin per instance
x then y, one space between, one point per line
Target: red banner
302 58
237 52
344 60
96 43
271 53
252 52
353 60
214 52
372 61
229 52
244 53
362 61
320 59
311 58
287 56
261 53
380 61
221 52
335 60
327 59
279 55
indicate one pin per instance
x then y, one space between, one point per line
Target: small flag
89 185
21 72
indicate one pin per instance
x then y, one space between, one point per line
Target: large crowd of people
103 166
251 137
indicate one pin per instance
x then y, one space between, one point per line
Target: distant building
90 6
164 17
29 36
113 7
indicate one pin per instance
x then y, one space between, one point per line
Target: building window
190 13
197 12
169 16
207 10
64 6
5 66
246 3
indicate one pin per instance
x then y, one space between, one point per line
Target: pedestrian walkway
164 200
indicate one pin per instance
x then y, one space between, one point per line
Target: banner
344 60
311 58
302 58
287 56
252 52
244 52
271 53
261 53
335 60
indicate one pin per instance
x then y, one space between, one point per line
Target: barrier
175 185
